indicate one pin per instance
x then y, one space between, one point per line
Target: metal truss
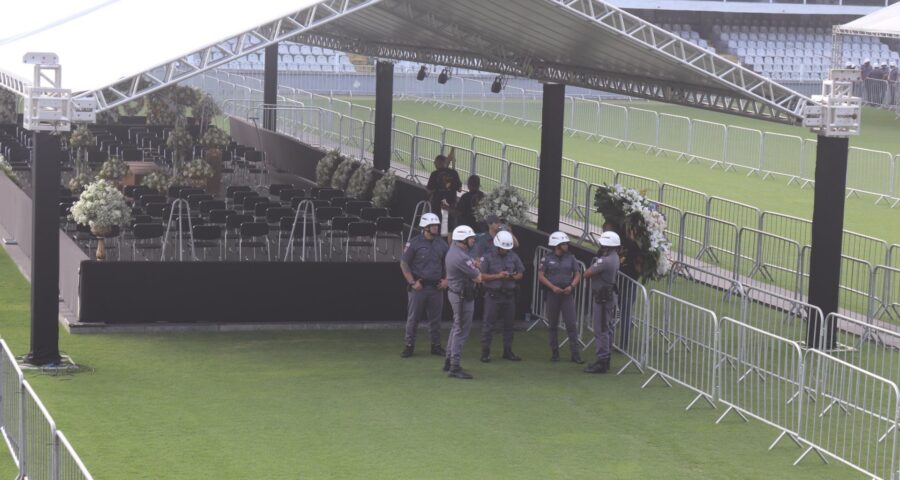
718 99
223 52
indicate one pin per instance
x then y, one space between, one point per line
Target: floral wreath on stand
631 212
205 110
181 142
505 202
326 167
342 175
362 182
383 193
113 169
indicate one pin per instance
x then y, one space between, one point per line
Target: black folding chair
355 207
233 224
360 234
254 235
144 236
390 228
372 214
207 237
210 205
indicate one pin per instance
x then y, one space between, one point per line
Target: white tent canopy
116 50
883 23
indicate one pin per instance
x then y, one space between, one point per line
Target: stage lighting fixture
497 85
444 76
422 74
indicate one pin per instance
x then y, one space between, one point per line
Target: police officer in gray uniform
422 265
559 273
500 270
462 275
602 272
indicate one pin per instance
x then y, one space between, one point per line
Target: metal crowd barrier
38 449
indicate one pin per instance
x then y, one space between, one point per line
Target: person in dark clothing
443 185
469 202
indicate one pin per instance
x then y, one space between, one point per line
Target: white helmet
429 219
462 232
610 239
867 61
504 240
558 237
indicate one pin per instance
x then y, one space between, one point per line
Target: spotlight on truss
423 72
444 76
497 85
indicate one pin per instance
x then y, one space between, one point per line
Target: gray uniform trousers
428 302
502 308
603 315
462 323
557 303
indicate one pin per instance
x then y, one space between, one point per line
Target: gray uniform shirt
603 271
493 262
484 243
425 258
460 268
559 270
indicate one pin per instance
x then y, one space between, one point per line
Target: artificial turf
343 404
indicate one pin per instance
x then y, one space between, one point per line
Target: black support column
827 233
384 112
45 176
550 176
270 87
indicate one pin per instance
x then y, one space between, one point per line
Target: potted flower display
113 170
159 181
181 142
326 167
383 193
197 172
505 202
214 141
341 177
362 182
101 206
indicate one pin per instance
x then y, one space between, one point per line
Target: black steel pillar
550 176
45 176
384 113
827 234
270 87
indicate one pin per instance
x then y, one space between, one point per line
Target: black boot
436 349
407 351
554 355
605 366
446 364
600 366
576 357
485 355
458 372
509 355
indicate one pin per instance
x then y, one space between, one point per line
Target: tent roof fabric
116 50
881 23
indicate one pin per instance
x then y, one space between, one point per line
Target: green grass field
773 194
344 405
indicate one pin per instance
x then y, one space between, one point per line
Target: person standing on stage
462 275
442 187
559 273
422 265
501 268
603 272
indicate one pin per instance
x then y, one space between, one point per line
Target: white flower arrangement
113 169
383 193
341 177
632 212
180 140
101 205
215 137
504 202
8 103
326 167
158 181
79 182
81 138
361 183
197 169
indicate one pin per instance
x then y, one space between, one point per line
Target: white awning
883 23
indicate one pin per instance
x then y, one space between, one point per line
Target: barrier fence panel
593 222
708 141
864 247
631 333
683 198
808 164
524 178
870 347
769 258
718 293
481 145
40 456
352 131
885 305
674 134
405 124
648 187
491 169
673 218
70 464
782 155
613 122
522 155
845 414
425 151
573 194
586 116
869 170
744 148
717 242
740 214
643 128
368 151
569 167
682 346
10 401
596 175
459 140
430 131
779 314
760 375
796 229
402 145
855 284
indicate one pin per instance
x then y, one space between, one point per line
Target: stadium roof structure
884 23
118 50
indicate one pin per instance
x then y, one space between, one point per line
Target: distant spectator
469 202
443 186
